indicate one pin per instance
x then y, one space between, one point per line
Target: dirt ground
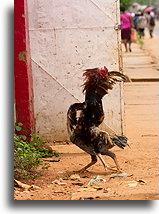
118 188
140 162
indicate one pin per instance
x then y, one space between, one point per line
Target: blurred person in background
150 23
141 25
126 24
136 19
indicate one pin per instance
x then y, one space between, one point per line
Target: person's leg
151 33
139 32
143 32
129 45
129 39
125 44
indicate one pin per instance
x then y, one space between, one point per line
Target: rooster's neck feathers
101 80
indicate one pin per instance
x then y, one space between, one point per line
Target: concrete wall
67 37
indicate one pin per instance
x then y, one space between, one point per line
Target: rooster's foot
110 168
116 170
119 170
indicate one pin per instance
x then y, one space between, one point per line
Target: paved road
141 116
156 30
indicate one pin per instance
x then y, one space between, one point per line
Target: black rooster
84 118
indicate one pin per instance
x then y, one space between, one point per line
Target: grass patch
27 155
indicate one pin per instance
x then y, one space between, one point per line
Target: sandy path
140 162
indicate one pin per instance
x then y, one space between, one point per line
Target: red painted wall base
22 68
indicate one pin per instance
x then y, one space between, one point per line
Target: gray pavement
141 95
139 65
156 30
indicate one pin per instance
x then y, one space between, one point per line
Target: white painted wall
66 37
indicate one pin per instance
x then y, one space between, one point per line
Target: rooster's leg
94 160
113 156
103 162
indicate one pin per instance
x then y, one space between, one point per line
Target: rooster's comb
93 76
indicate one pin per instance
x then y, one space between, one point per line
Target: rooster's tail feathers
118 77
119 140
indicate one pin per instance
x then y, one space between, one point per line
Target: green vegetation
145 2
139 40
126 3
27 155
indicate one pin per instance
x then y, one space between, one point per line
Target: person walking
136 19
126 24
150 23
141 25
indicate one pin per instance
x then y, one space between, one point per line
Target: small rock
34 187
75 177
130 175
78 184
85 176
142 181
133 184
60 182
88 198
87 189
